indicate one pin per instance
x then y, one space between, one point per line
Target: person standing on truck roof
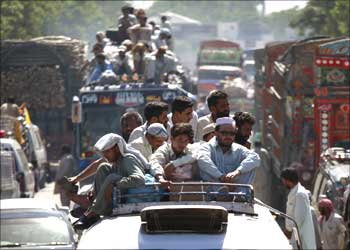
218 105
142 31
331 225
244 122
154 112
158 64
298 207
125 21
102 65
223 160
129 121
121 169
174 158
151 140
165 23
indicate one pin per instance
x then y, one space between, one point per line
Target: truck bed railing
237 198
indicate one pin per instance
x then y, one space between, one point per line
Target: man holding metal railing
223 160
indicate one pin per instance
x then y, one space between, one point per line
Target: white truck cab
189 223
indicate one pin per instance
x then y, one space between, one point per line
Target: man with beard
298 207
129 121
218 105
223 160
244 122
154 112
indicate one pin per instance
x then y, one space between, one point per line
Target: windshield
34 231
99 121
218 74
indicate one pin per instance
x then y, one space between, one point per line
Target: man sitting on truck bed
223 160
175 158
123 169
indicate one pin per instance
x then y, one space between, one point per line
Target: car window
22 159
38 139
34 231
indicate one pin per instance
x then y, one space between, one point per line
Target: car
28 226
9 184
197 219
37 154
332 178
33 203
24 169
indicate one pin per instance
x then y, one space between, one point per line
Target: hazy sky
271 5
278 5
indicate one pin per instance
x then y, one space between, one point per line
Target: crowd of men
169 147
145 51
178 146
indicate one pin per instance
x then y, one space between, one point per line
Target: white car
189 223
35 224
9 186
24 173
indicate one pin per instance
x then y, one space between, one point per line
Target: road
47 193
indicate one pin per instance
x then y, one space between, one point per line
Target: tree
323 18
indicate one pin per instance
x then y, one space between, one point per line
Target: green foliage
323 18
77 19
278 21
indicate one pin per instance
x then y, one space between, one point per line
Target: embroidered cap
157 129
225 121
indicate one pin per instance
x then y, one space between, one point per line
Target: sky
271 5
278 5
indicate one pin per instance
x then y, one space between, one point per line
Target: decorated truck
217 60
290 126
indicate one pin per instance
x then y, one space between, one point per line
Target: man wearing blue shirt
223 160
101 66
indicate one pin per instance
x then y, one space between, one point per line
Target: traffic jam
167 132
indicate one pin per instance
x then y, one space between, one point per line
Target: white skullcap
157 129
108 141
225 121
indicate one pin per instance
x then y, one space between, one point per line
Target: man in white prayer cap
223 160
121 169
154 137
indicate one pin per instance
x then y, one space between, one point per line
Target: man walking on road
298 207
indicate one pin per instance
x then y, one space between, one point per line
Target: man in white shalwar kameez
298 207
